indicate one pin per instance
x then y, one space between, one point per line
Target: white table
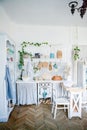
30 92
75 101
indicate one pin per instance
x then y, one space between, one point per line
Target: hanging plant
76 53
23 53
24 44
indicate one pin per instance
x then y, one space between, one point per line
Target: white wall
51 34
4 21
82 36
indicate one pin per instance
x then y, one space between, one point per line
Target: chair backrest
65 84
57 91
54 94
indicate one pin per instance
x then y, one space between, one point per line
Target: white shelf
44 60
47 59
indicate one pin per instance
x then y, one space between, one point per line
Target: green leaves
22 52
21 60
76 49
76 53
24 44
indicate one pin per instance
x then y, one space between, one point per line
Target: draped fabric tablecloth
26 93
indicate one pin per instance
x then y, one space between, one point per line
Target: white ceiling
42 12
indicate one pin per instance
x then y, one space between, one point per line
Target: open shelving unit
7 54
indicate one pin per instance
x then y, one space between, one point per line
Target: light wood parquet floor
39 117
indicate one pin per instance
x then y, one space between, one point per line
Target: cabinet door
3 104
44 92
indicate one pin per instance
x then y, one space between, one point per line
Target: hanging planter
76 53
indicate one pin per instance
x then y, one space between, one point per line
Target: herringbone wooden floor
39 117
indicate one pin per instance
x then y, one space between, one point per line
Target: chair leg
52 108
64 108
69 113
55 111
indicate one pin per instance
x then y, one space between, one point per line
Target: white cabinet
45 92
7 58
82 80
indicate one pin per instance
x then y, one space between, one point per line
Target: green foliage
21 60
35 69
22 52
76 53
24 44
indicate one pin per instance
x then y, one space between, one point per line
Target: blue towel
9 92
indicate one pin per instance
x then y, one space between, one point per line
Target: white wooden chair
60 102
